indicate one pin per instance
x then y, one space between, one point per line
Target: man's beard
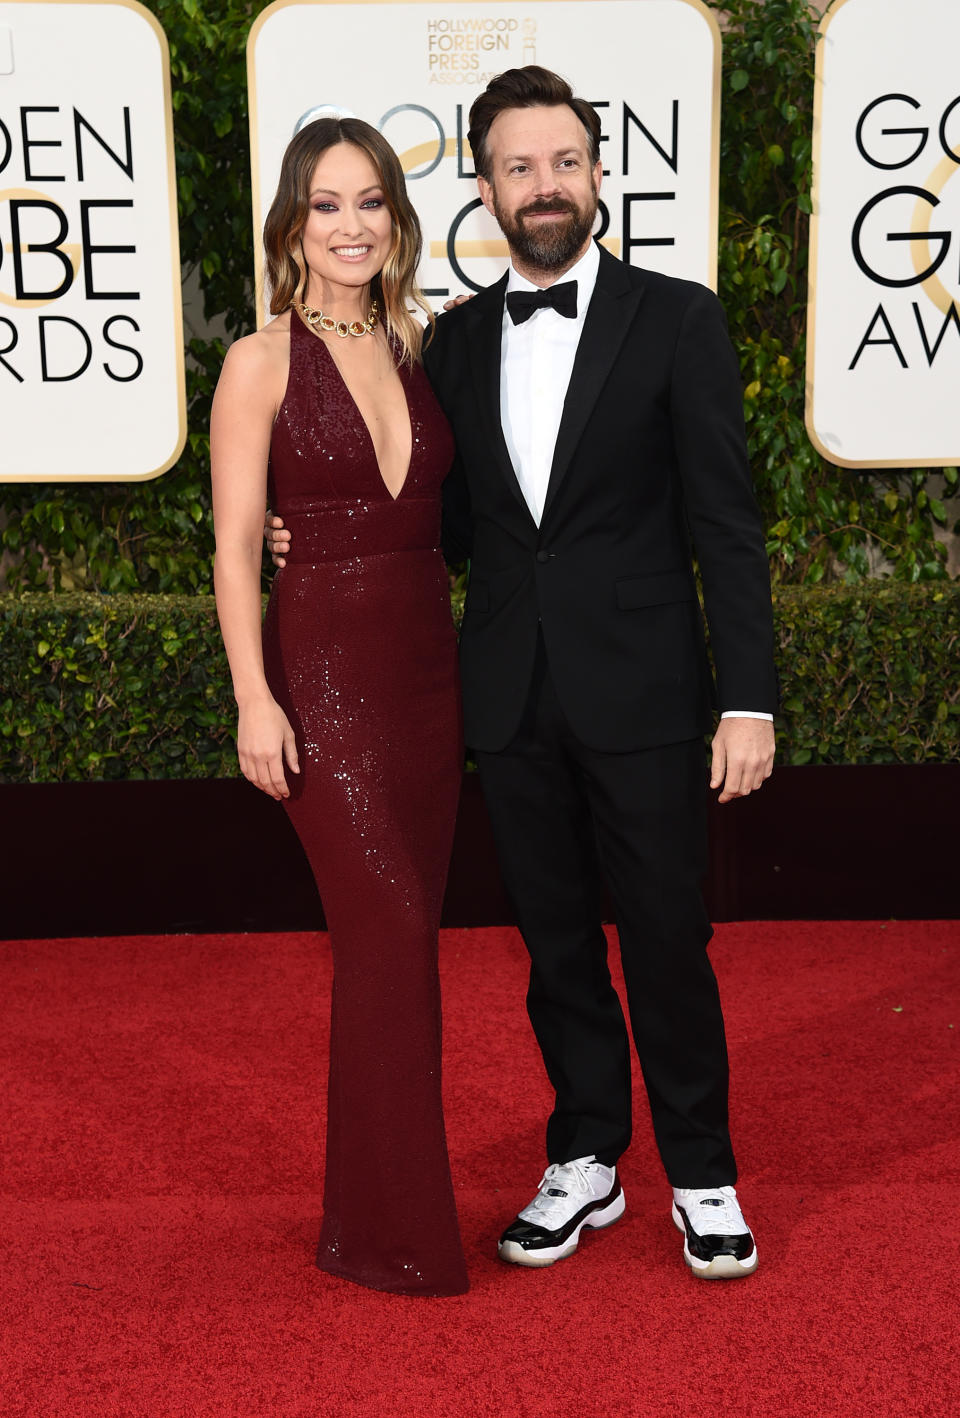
548 246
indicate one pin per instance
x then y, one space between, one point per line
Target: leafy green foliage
113 687
138 686
208 41
869 672
824 523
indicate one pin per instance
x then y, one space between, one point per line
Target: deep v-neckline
366 428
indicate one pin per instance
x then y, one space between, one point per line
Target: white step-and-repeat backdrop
883 363
650 67
91 337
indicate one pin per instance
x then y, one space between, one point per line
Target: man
598 416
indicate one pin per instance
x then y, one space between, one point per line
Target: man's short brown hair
530 87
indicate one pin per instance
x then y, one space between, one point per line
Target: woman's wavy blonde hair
286 273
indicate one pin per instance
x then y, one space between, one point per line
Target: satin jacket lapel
612 308
485 363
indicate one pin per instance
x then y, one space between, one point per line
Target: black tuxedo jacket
650 457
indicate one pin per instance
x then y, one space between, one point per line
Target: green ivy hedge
109 687
869 673
105 687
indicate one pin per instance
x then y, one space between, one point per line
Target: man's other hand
743 752
278 538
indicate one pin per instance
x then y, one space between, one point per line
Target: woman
355 687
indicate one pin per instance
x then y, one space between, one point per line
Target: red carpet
160 1195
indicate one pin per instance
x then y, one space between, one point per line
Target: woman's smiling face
349 229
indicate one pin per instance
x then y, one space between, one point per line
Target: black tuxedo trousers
564 815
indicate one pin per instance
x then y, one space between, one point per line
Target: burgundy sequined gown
360 652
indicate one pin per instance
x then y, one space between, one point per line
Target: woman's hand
264 740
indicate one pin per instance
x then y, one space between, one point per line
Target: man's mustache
545 204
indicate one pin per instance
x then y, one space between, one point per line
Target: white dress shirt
536 362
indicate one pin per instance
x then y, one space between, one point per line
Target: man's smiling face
542 186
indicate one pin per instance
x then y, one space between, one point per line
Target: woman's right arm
244 408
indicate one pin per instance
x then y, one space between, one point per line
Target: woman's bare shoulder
271 345
260 361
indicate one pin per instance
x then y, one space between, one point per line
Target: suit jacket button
543 556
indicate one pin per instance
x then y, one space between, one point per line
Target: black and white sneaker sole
721 1267
540 1256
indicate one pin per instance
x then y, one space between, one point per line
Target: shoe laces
713 1211
559 1180
569 1175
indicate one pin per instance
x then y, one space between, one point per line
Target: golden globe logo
883 349
91 344
890 147
44 257
630 142
651 70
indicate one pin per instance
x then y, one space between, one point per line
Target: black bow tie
563 298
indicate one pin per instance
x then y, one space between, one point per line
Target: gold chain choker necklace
318 321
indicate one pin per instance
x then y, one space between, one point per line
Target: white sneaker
572 1195
718 1243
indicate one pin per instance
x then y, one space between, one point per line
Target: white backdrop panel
91 341
413 70
883 363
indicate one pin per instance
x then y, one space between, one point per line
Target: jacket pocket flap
634 592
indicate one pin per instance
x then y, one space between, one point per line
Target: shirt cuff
745 714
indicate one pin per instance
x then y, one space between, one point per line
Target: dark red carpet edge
160 1194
